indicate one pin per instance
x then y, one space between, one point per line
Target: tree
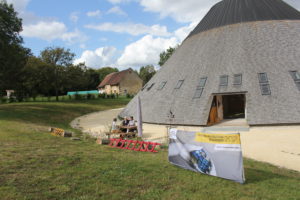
38 77
146 73
13 55
93 79
57 57
76 78
165 55
105 71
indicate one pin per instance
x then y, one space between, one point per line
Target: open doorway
227 106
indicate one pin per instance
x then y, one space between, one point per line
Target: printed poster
212 154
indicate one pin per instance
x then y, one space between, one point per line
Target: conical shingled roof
229 12
246 47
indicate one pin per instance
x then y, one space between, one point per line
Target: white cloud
180 10
96 13
52 30
19 5
132 29
45 30
100 57
145 51
74 16
116 10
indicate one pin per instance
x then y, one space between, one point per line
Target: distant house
122 83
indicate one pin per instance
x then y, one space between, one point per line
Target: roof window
200 88
264 84
149 88
144 86
265 89
237 79
162 85
263 78
179 84
296 77
224 80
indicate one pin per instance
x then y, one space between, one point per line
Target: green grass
36 165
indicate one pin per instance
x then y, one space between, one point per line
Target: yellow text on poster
218 138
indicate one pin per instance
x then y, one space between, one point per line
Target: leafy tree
105 71
38 77
146 73
57 57
13 55
93 78
165 55
76 78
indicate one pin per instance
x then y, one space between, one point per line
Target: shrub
3 99
78 97
89 96
101 96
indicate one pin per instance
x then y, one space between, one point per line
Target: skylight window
264 84
237 79
144 87
149 88
263 78
202 82
265 89
200 88
296 77
224 80
179 84
162 85
198 93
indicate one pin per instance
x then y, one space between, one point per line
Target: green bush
101 96
89 96
3 99
78 97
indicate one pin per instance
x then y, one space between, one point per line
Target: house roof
113 78
229 12
248 48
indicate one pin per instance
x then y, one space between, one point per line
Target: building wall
107 89
131 83
115 89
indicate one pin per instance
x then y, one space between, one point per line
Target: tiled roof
228 12
113 78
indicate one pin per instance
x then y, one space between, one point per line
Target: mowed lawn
36 165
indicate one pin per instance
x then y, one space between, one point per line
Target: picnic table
130 134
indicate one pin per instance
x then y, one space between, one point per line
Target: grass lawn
36 165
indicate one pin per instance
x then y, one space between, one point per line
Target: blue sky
117 33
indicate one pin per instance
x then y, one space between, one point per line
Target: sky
116 33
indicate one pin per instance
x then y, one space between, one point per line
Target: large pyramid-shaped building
241 61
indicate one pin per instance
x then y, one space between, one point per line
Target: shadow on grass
259 175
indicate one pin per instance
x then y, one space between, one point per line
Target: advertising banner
213 154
